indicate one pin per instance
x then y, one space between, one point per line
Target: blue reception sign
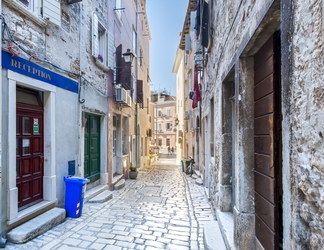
25 67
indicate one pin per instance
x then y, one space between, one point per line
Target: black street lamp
128 56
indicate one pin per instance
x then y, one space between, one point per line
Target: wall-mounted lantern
128 56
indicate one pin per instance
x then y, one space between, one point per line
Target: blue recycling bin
74 195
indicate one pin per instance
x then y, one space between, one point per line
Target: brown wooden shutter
123 71
139 89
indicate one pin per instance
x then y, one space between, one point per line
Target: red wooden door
29 150
267 168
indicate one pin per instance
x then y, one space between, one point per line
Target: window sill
20 8
101 65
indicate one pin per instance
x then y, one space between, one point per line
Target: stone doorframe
243 66
49 179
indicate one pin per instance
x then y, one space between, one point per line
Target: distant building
164 120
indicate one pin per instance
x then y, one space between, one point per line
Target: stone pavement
162 209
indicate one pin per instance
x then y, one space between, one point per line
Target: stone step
37 226
213 239
120 184
102 197
89 194
199 181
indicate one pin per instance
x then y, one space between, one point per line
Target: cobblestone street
162 209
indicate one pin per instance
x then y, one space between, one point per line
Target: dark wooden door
267 167
92 147
29 151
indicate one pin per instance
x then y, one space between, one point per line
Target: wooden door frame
97 177
30 111
268 207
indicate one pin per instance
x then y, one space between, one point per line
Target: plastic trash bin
74 195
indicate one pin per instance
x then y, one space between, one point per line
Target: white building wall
64 49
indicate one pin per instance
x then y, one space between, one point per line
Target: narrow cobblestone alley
162 209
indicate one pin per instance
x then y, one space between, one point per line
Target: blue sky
166 19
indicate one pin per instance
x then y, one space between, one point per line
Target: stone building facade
70 103
165 127
260 119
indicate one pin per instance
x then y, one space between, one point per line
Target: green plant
133 168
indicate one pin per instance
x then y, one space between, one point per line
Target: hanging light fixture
128 56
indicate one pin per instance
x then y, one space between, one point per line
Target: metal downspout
2 240
138 161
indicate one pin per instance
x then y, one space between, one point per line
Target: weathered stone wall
238 30
67 47
307 120
234 22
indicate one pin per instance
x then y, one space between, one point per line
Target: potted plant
133 172
100 58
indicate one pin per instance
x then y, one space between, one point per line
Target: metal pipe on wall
2 240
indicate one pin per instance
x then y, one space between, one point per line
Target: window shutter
95 36
52 11
119 64
106 57
204 25
139 91
187 43
111 50
192 20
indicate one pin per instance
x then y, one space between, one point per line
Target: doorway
267 145
29 147
92 147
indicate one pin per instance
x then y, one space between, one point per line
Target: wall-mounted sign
36 127
25 67
71 169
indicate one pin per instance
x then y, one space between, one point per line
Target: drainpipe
138 161
2 240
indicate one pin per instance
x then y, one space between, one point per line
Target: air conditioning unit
128 101
121 95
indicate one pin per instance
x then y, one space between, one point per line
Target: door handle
42 157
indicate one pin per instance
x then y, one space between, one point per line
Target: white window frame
51 10
159 126
168 112
168 124
118 10
102 43
134 41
